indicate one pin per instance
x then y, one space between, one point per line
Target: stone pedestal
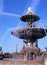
45 62
21 62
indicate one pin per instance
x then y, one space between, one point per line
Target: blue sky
10 12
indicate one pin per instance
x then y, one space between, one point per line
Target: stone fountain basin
29 17
30 33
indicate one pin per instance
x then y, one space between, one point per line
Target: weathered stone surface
30 17
12 62
30 33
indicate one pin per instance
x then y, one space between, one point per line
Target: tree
7 55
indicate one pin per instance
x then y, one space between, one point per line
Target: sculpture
30 35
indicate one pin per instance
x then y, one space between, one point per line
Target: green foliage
7 55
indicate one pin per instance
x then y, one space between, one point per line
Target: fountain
30 36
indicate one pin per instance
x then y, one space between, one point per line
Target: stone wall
21 62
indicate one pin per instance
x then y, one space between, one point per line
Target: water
40 24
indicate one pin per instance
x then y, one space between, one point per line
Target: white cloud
5 13
10 14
